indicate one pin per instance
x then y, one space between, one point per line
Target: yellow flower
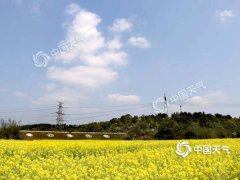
62 159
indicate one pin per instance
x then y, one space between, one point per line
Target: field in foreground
63 159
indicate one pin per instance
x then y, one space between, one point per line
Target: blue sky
122 54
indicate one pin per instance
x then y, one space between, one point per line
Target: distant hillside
179 126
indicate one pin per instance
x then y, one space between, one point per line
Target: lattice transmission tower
60 116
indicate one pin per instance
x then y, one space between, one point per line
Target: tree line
182 125
9 129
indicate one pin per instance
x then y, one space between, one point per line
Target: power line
92 107
213 104
28 110
104 111
87 117
27 117
40 114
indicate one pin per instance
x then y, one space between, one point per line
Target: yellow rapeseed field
92 159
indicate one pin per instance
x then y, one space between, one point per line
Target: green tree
9 129
168 129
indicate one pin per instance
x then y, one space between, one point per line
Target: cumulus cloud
52 94
85 76
96 55
138 41
91 51
114 44
19 94
224 15
106 59
207 99
121 25
90 41
126 99
91 62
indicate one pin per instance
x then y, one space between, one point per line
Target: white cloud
138 41
92 49
72 8
126 99
106 59
197 100
19 94
114 44
121 25
84 28
93 56
209 102
50 87
207 99
224 15
86 76
53 94
89 64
